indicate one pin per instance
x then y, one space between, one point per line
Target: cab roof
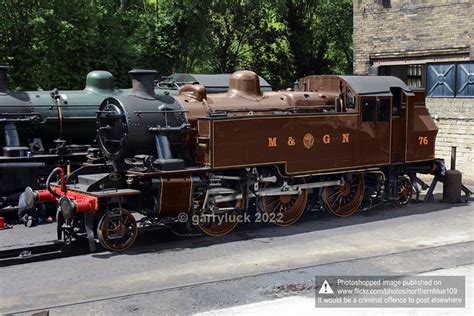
375 85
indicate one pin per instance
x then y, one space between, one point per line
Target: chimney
143 83
3 78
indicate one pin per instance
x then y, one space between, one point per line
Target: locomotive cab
394 123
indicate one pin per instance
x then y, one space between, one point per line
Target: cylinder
452 186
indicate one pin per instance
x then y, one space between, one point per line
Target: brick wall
418 26
456 128
410 25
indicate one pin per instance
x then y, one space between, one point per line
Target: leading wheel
404 192
117 230
343 200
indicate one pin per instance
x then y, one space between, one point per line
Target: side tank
159 132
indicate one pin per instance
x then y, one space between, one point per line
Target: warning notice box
390 291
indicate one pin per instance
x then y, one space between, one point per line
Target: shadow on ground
156 241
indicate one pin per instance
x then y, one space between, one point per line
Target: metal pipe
11 165
453 158
221 191
227 198
271 179
62 182
226 177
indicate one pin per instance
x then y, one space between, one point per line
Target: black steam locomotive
40 130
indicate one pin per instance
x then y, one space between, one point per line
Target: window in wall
414 77
386 3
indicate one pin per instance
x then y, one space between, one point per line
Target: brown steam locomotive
340 143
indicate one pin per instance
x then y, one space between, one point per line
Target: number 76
423 140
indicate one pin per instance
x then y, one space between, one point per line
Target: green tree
320 35
54 43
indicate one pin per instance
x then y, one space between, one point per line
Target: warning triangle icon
325 288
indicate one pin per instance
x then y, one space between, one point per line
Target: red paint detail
85 203
62 182
45 196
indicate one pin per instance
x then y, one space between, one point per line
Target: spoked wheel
218 223
215 218
343 200
404 192
117 230
285 210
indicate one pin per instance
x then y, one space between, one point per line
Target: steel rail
40 252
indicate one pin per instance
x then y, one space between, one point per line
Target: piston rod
284 190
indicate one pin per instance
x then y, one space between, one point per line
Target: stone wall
410 26
456 128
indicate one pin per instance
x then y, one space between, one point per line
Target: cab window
368 109
383 110
350 100
375 110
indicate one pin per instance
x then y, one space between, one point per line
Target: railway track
50 250
40 252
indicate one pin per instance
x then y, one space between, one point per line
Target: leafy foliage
55 43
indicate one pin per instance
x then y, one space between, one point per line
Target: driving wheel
218 223
343 200
285 210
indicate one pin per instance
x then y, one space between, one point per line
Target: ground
255 270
